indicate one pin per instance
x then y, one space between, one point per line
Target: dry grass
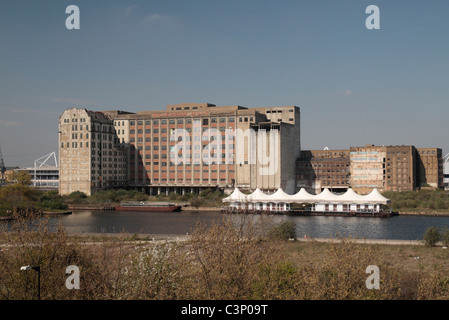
231 260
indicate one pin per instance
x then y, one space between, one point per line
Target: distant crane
2 169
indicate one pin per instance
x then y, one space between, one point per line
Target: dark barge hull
148 208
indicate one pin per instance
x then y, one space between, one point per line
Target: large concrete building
184 148
90 158
386 168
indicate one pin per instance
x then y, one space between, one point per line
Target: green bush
77 195
431 236
285 230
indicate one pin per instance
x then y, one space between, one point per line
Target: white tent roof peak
257 195
280 194
375 196
351 197
236 195
326 195
302 196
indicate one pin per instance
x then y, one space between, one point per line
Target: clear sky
354 86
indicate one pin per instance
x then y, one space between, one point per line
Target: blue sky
354 86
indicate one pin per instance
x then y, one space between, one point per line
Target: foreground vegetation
421 200
236 259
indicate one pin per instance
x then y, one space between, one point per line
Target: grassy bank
421 201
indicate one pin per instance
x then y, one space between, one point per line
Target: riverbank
433 213
45 213
185 206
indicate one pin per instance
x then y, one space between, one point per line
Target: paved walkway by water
169 237
366 241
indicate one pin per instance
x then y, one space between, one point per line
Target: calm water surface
181 223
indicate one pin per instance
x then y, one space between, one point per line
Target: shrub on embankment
18 200
419 200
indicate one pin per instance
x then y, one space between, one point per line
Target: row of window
74 120
197 180
75 144
279 111
204 121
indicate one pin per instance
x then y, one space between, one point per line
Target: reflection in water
181 223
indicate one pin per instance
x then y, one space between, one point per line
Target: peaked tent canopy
326 196
236 195
376 197
302 196
349 197
280 196
257 196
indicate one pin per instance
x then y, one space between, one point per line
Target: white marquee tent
324 201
